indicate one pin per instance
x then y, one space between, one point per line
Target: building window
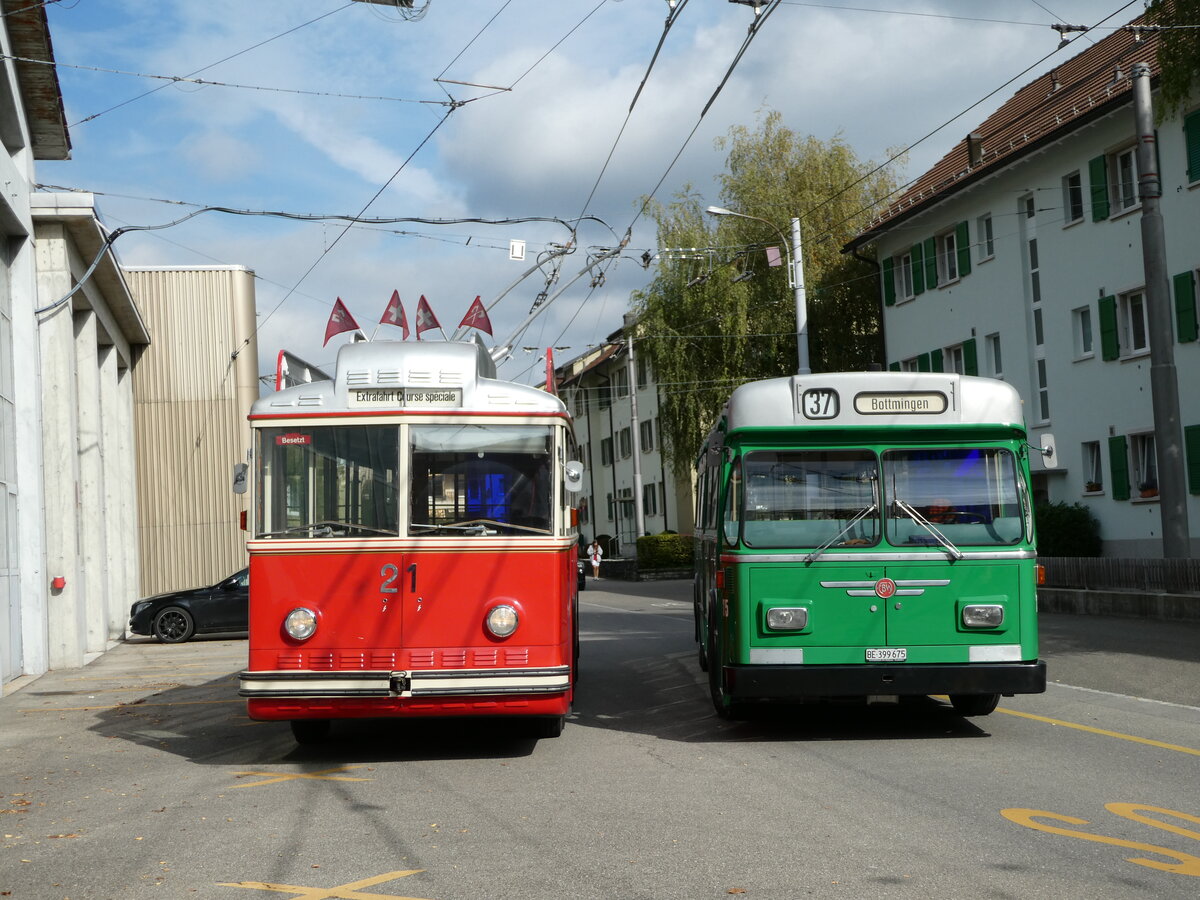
1132 322
1072 186
643 373
1093 477
609 507
620 382
626 445
649 500
947 257
1043 392
580 401
952 360
1081 326
1124 179
1191 135
646 430
1144 463
910 365
606 456
995 361
904 277
604 395
984 237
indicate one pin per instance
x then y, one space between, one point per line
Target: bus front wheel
724 707
310 731
974 704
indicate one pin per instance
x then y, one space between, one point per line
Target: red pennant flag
339 320
394 314
477 317
425 317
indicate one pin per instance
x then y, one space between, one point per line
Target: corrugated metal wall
190 405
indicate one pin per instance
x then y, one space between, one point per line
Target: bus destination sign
426 398
900 403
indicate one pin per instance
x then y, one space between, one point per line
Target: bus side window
733 503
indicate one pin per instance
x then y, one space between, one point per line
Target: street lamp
795 280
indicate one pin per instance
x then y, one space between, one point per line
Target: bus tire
173 625
701 657
974 704
310 731
722 705
548 726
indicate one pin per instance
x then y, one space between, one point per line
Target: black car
175 617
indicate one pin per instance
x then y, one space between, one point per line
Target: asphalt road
140 776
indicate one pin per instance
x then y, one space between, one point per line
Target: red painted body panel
406 608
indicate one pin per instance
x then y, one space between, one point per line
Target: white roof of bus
967 400
426 365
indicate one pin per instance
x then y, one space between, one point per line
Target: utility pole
803 367
639 512
1164 382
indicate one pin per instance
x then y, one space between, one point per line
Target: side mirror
1049 454
573 475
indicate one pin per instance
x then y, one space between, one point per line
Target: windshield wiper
929 526
861 514
325 529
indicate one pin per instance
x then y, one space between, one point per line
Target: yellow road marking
133 705
1113 734
277 777
342 892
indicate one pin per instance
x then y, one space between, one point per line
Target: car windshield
328 481
481 479
960 496
806 498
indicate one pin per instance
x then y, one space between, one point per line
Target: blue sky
881 72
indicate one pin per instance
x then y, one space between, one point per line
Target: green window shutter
962 243
930 253
918 270
970 358
894 367
1118 464
1098 185
935 361
1110 347
1191 135
923 362
1185 307
889 282
1191 443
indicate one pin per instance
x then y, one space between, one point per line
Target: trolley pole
1164 382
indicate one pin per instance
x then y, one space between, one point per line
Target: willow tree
719 311
1178 51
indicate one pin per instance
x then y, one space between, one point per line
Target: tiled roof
1083 88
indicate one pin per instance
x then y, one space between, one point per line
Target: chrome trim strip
854 558
428 683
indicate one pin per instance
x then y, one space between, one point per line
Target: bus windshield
968 495
328 481
481 479
810 498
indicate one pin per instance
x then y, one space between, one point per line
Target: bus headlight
502 620
983 615
793 618
300 623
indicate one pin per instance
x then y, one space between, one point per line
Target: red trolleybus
868 534
414 547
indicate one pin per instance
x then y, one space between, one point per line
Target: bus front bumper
416 684
797 682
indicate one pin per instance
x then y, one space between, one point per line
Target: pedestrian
594 554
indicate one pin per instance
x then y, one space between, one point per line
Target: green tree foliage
706 329
1066 530
1178 51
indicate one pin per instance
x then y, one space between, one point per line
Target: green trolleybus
867 534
